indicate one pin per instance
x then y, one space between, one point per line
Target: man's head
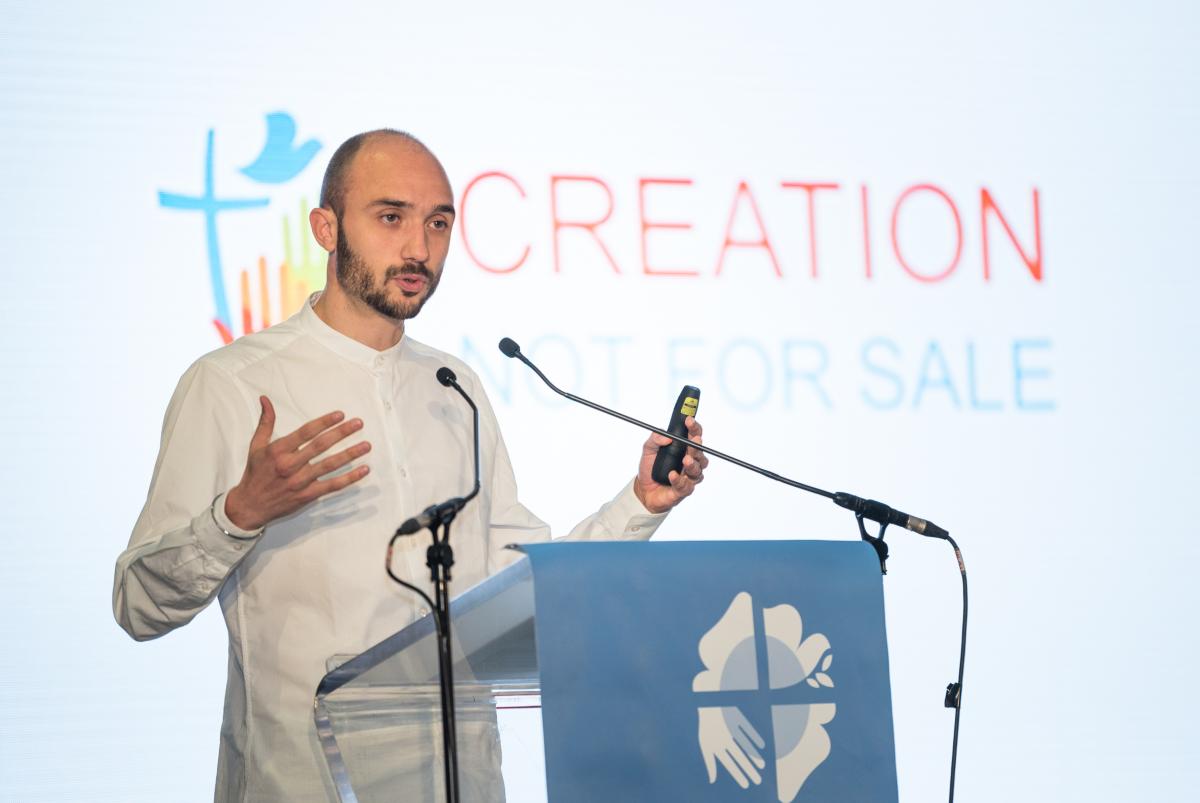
386 213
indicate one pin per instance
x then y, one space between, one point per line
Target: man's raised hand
284 475
661 498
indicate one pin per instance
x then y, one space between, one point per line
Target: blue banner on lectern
723 672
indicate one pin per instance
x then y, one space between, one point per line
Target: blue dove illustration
281 160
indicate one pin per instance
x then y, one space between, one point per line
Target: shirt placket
387 374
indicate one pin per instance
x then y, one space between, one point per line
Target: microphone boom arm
698 446
862 508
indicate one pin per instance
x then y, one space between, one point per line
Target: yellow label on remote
689 406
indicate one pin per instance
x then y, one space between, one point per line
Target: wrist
640 492
235 513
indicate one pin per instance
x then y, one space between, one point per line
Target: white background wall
1072 507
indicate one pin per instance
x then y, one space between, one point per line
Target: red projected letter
647 225
587 225
1034 263
810 189
958 242
761 242
866 231
462 223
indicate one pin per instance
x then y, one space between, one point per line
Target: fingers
685 481
741 739
653 444
696 433
294 440
728 761
746 766
710 764
749 730
320 444
333 484
266 423
314 471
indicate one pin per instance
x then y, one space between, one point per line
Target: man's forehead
392 166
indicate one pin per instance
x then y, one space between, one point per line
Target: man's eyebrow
446 209
390 202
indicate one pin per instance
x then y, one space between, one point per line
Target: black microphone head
446 376
509 347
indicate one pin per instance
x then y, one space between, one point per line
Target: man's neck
357 321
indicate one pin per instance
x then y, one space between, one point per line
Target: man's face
394 227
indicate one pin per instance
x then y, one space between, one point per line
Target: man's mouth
411 282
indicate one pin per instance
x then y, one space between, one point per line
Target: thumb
710 764
654 443
266 424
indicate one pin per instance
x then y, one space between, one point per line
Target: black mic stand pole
439 557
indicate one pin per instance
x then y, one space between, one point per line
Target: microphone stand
862 508
439 557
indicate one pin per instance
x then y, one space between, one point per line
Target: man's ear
324 227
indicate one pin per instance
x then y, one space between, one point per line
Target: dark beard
354 275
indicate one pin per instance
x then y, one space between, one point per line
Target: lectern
678 671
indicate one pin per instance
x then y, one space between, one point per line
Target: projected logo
281 160
780 674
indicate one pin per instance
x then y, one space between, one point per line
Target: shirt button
239 546
387 405
635 528
422 612
403 472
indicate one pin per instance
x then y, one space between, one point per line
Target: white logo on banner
731 659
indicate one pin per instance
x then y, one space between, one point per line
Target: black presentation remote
670 457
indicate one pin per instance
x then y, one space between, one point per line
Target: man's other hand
284 475
660 498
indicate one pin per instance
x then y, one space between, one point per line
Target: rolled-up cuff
639 523
225 525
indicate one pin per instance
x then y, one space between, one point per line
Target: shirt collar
345 346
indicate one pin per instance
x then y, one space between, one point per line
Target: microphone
881 513
865 508
434 515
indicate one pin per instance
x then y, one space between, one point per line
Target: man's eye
439 224
390 217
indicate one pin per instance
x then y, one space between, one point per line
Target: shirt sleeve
622 518
183 547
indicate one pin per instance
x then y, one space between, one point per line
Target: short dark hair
333 186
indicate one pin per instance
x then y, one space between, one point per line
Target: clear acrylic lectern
378 714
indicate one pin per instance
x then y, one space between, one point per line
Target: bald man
289 457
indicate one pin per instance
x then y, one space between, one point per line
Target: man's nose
416 245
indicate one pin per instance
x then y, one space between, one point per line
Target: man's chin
402 311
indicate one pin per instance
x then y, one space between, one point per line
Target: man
267 496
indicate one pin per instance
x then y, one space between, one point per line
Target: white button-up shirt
313 585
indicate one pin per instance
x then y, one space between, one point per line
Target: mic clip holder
876 541
439 557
